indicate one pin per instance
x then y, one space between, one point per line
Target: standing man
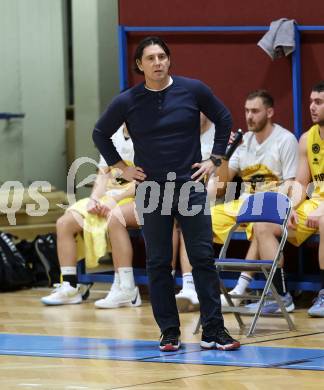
163 118
308 215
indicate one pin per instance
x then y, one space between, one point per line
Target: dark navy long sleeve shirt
164 127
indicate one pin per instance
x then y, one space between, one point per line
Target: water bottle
231 147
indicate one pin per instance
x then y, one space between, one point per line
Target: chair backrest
271 207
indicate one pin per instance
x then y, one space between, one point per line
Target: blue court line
81 347
316 364
147 351
254 356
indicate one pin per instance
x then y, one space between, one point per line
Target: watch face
216 161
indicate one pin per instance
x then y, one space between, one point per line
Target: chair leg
284 312
257 314
267 287
239 320
269 278
237 316
196 331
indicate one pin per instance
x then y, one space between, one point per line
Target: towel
280 39
94 243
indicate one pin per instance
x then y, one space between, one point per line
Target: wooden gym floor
79 347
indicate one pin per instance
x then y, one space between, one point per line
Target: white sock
126 276
173 272
187 281
242 283
69 275
116 282
68 270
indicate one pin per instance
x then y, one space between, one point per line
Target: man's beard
261 125
319 121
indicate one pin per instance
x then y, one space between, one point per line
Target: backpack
14 270
41 255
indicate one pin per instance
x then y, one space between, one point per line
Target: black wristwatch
217 161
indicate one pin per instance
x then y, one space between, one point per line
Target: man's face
317 107
257 115
154 63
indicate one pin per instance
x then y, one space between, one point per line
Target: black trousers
197 233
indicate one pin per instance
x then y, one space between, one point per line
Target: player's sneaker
63 294
271 305
317 310
118 297
170 340
219 339
187 300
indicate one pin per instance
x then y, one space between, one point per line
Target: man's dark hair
147 42
263 94
319 87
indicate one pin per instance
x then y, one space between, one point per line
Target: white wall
32 81
95 57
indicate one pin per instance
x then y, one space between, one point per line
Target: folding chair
269 207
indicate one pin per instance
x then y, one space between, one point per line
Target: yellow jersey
315 156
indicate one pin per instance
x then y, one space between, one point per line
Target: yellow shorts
93 243
302 232
223 219
81 206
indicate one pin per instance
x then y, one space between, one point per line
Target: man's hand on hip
205 168
133 173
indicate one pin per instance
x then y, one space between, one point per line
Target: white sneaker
187 300
119 298
236 301
271 305
63 294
